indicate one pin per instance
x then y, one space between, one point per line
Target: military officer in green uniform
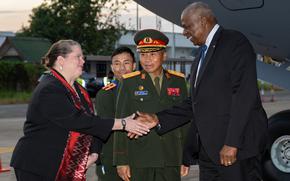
123 62
151 157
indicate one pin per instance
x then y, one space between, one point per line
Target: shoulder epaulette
179 74
132 74
109 86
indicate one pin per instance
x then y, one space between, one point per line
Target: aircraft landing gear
276 161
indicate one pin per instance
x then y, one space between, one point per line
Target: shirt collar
115 81
211 35
160 77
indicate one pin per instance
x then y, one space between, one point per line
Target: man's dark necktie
201 60
157 84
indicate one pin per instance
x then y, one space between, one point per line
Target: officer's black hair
123 49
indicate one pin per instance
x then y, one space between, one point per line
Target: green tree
93 23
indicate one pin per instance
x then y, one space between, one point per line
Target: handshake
139 124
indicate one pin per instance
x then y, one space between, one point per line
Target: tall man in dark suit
228 118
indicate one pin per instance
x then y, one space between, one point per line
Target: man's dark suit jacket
225 105
51 115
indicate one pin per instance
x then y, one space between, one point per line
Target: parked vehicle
92 83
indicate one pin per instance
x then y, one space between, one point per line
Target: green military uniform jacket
137 93
105 107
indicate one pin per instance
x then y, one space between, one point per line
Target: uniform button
141 99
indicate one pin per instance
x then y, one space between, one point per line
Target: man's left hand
151 120
92 159
184 170
228 155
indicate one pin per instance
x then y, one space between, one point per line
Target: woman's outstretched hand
131 125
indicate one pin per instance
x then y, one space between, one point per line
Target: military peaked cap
150 40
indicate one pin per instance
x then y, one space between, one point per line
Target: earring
60 67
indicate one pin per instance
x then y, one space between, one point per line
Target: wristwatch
123 122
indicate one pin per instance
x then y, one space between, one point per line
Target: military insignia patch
140 87
147 40
109 86
143 76
173 91
178 74
141 93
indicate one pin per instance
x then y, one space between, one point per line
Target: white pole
173 41
137 16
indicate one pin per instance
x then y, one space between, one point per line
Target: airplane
266 24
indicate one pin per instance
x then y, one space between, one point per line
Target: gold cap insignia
147 40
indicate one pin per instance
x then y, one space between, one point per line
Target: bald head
197 19
200 9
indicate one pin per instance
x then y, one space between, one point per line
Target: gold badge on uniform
140 87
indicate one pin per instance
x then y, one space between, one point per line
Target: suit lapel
209 54
194 68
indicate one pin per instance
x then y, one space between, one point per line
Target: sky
15 13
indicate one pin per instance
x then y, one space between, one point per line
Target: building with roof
4 34
7 33
24 49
